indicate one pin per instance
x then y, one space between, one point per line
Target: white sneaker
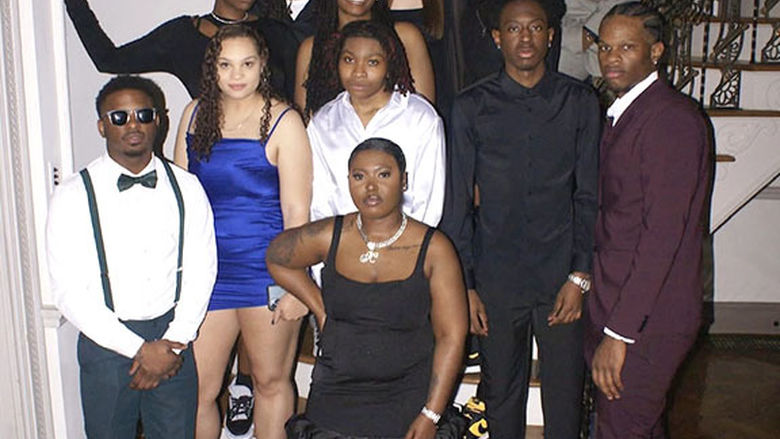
238 416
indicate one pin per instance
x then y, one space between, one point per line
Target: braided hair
398 76
322 83
209 115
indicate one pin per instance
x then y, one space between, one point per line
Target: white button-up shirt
409 121
622 103
141 238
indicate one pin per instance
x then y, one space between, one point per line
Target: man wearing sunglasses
122 274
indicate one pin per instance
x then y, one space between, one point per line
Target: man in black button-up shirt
521 208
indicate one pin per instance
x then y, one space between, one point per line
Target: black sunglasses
142 115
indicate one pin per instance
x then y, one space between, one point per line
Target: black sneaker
238 417
472 355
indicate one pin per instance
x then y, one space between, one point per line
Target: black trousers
506 365
112 408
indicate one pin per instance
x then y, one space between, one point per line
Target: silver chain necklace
227 21
371 256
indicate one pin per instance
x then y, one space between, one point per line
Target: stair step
746 66
727 112
749 20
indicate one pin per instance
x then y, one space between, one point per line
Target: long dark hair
209 115
322 83
398 76
433 18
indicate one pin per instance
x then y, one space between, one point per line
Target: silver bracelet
430 414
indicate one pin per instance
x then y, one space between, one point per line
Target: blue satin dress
243 188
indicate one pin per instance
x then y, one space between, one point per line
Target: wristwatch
580 281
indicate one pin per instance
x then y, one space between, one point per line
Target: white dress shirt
141 238
410 121
614 111
622 103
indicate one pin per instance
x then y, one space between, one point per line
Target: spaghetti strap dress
373 370
243 189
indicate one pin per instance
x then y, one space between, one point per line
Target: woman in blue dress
252 156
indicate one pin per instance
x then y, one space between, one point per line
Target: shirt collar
544 88
396 100
622 103
115 169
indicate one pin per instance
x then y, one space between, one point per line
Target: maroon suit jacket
653 184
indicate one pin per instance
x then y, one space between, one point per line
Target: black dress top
373 372
177 47
533 154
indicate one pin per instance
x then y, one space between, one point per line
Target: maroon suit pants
648 371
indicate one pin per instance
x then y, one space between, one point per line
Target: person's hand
478 319
568 305
321 319
143 379
289 308
157 357
607 366
153 362
421 428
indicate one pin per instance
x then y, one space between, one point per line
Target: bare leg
212 351
244 368
271 350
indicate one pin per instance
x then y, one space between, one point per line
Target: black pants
112 408
506 365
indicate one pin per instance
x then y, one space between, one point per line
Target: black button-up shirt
533 154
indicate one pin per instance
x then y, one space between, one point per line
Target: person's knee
208 390
270 383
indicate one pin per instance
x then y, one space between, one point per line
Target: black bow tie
147 180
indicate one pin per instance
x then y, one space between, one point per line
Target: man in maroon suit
645 307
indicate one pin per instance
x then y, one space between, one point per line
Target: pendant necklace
228 21
372 254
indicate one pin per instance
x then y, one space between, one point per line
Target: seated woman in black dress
177 46
392 309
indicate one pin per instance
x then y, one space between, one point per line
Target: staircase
726 54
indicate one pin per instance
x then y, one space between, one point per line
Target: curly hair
322 83
398 76
209 117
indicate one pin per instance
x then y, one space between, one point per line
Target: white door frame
35 150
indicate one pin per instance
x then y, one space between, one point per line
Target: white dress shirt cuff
178 335
133 348
617 336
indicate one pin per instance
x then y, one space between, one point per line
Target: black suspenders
98 234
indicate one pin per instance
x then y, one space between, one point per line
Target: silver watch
580 281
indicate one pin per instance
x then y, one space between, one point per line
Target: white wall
747 254
123 21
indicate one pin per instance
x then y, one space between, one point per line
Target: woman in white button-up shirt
378 101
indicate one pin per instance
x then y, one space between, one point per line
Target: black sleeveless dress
373 370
